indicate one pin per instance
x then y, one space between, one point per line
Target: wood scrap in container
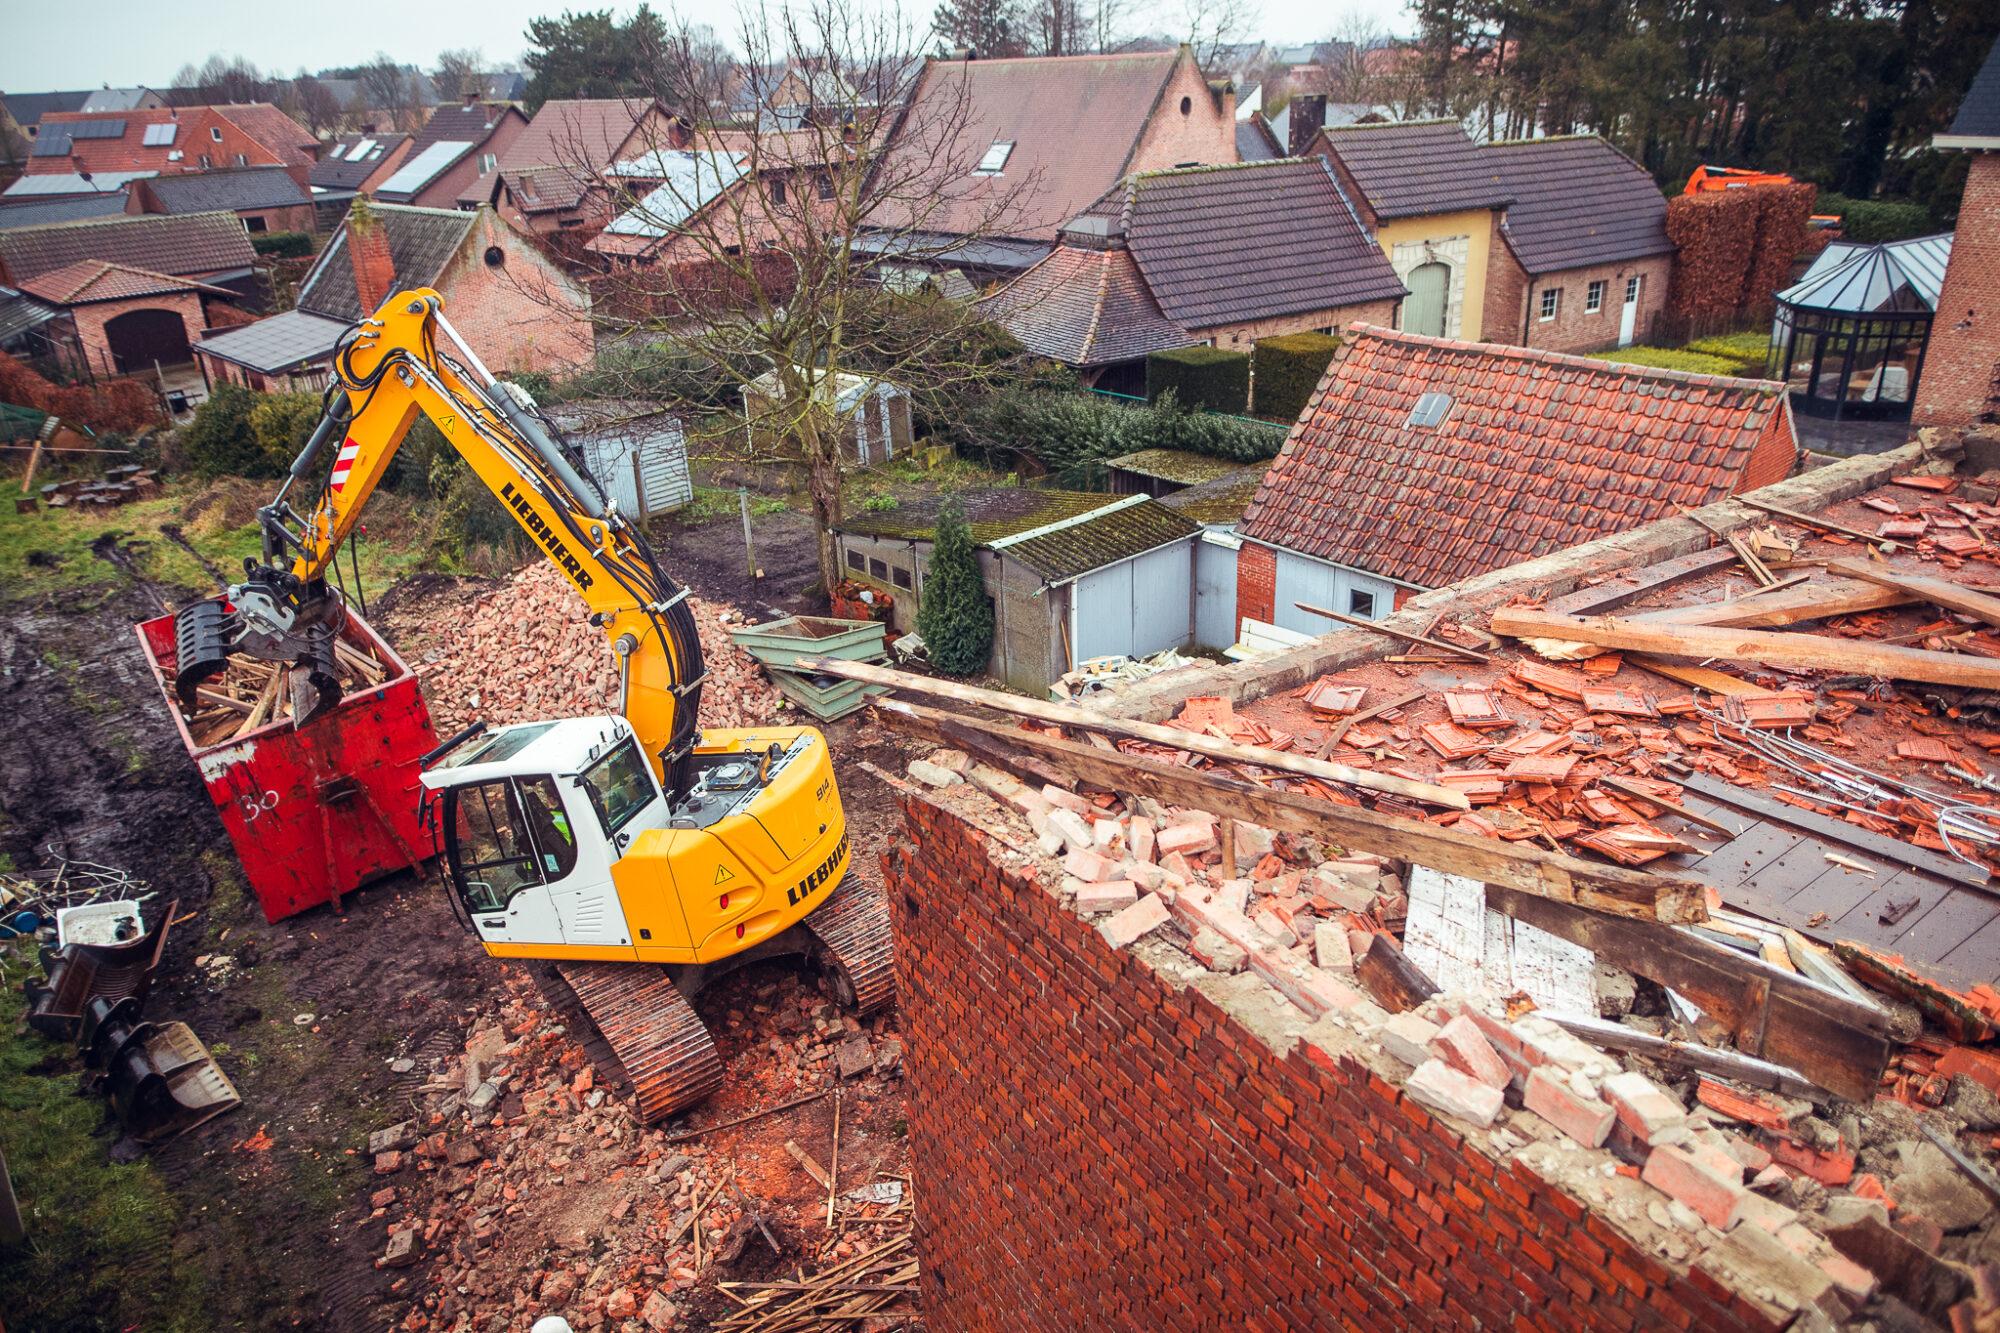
251 693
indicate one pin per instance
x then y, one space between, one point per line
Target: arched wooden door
1423 309
138 338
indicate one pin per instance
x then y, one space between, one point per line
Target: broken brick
1460 1044
1438 1086
1549 1095
1715 1198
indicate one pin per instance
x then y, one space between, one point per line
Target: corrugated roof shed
1058 534
1177 465
187 245
1415 167
1534 451
1221 501
1577 201
421 242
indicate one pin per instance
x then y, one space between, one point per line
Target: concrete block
932 775
1406 1036
1330 948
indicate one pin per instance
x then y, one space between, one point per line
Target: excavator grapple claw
202 633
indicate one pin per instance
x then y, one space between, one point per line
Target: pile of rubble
526 651
530 1188
1807 1199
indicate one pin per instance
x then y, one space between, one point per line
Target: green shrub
1069 431
955 616
282 244
660 373
221 441
1871 221
1749 351
1673 358
1205 378
282 423
1287 370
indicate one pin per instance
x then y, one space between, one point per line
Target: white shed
635 453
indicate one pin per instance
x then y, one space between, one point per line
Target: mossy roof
1178 465
1058 534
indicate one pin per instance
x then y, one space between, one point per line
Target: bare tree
220 80
393 90
457 71
1061 27
1207 25
785 259
318 109
1351 52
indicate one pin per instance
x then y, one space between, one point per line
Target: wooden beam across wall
1565 879
1068 715
1922 587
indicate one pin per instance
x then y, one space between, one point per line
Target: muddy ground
308 1015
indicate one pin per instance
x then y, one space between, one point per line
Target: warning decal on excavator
343 463
722 873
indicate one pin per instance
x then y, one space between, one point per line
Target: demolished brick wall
1123 1153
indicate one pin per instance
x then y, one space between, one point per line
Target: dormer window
995 158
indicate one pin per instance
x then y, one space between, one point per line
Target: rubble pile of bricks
1115 1038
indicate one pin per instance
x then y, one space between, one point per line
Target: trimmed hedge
1674 358
1288 368
282 244
1750 351
1203 378
1065 431
1872 221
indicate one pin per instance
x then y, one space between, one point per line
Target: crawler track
855 952
661 1045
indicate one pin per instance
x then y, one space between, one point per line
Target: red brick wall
1110 1152
1256 583
1961 366
91 319
1776 452
525 314
1206 133
1512 303
298 217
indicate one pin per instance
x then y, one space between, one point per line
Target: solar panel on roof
97 129
159 136
53 141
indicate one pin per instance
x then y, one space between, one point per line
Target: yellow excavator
638 854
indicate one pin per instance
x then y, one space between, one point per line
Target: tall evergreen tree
990 27
955 616
592 54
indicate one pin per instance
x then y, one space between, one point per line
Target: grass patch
99 1252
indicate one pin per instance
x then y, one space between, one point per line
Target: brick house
267 199
172 140
1215 255
456 147
1961 378
1584 256
1432 203
1422 461
552 177
1040 139
113 319
358 163
208 248
515 307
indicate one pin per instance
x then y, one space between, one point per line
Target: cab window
549 826
620 786
491 856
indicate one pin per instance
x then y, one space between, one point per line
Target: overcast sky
47 46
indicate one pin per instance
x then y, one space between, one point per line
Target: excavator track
659 1042
853 948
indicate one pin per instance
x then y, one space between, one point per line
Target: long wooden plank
1920 587
1689 1055
1775 1015
1811 521
1602 597
1792 607
1808 651
1702 678
1539 874
1377 627
1066 715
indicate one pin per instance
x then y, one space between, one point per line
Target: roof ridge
1197 168
118 219
1391 124
1768 388
1546 138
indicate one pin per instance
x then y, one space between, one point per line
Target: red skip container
319 810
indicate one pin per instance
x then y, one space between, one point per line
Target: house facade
1583 259
1432 206
1038 140
555 176
456 147
170 141
1422 461
113 319
1961 373
1215 255
516 307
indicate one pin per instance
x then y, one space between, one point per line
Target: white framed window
995 158
1551 302
1632 290
1593 297
487 161
215 133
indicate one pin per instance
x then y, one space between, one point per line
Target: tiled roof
167 139
28 108
1220 245
1537 451
1979 114
49 185
294 144
90 280
1222 500
1576 202
1074 123
278 343
1058 534
1255 142
39 212
583 133
244 188
186 245
545 189
421 242
345 173
459 124
1085 307
1414 167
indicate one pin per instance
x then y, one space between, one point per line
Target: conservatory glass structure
1849 336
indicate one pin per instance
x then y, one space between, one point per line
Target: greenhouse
1849 336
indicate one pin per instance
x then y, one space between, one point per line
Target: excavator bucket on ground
78 974
160 1079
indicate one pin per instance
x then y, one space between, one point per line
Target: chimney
1308 116
368 255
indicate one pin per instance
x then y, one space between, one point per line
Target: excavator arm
405 361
